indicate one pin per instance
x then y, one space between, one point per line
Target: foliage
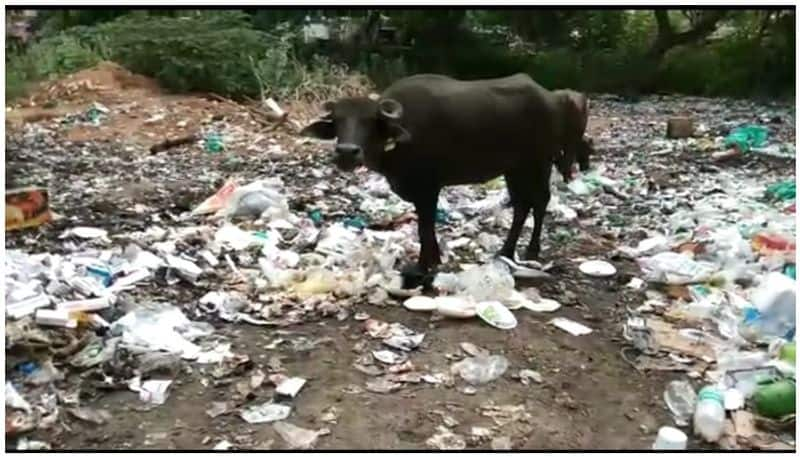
256 52
51 57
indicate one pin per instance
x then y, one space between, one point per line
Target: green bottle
775 399
787 353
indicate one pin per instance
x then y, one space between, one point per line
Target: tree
702 24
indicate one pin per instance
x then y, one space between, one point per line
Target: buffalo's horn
391 109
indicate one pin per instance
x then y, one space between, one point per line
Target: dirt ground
589 397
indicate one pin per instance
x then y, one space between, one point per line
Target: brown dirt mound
101 82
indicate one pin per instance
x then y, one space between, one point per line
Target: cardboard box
27 207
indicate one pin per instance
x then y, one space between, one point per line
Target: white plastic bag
674 268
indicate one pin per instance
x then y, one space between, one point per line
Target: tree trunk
667 38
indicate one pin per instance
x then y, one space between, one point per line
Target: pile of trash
145 294
718 274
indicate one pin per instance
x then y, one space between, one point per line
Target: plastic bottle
776 399
680 399
709 416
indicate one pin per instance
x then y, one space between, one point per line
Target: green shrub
50 57
200 52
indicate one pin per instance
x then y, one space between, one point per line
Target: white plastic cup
670 439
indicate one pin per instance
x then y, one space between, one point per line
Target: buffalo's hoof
414 276
532 254
507 254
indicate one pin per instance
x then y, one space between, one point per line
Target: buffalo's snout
348 149
348 156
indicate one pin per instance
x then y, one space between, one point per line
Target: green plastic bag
784 190
214 143
747 137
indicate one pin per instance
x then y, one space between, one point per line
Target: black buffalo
428 131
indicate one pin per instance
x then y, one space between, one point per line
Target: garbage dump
243 297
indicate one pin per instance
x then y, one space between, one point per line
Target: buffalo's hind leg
522 207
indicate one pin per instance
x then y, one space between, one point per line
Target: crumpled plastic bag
674 268
480 370
256 199
491 281
251 200
338 241
590 182
161 328
747 137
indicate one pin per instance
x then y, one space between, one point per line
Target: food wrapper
27 207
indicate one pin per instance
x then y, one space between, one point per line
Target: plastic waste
318 281
480 370
290 387
223 445
25 444
265 412
94 416
15 400
492 281
570 326
420 303
775 399
773 313
214 143
787 352
741 360
783 190
161 328
255 199
590 183
597 268
790 270
356 222
219 200
709 416
338 241
456 307
747 137
681 401
670 439
747 380
153 391
446 440
785 150
496 314
675 268
766 242
297 437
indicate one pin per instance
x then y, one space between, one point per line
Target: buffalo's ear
322 129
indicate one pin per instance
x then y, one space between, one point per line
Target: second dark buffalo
429 131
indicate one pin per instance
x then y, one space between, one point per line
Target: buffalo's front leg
429 255
540 197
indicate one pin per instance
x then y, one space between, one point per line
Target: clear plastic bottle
709 416
681 400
